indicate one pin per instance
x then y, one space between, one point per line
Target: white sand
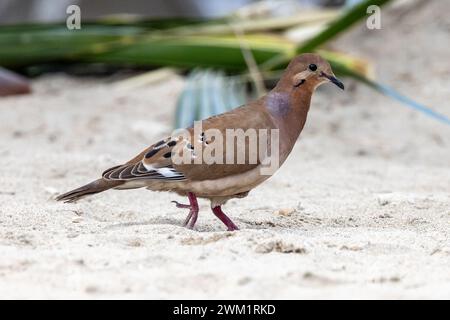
364 197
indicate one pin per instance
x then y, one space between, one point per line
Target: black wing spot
172 143
151 153
167 155
159 143
190 146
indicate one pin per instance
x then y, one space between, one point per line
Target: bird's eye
312 67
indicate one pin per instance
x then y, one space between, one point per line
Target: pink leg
223 217
191 219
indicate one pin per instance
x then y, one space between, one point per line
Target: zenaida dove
281 114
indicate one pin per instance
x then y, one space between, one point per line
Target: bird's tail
94 187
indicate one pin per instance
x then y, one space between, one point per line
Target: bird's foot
191 218
224 218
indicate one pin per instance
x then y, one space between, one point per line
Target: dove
175 163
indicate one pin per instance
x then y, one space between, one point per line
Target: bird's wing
252 116
156 162
153 163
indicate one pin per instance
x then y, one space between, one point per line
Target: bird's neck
289 109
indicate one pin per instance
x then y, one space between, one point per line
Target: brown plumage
284 108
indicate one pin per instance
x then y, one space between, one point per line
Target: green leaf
341 24
187 104
336 27
206 94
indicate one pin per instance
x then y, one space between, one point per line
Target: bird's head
309 70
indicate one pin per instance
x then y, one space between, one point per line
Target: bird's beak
334 80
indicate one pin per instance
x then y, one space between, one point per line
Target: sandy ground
361 209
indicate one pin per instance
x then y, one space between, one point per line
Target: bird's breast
278 104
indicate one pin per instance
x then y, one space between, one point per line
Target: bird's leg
193 213
223 217
191 219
